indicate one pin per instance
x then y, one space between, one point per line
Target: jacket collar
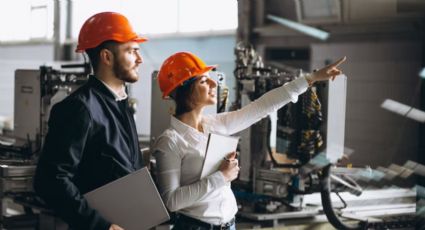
117 97
100 86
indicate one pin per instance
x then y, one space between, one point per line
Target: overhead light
308 30
422 73
404 110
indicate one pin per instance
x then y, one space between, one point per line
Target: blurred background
384 42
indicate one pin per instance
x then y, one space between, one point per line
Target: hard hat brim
166 94
138 39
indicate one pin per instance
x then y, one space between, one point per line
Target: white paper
218 147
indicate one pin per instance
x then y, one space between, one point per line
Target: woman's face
204 91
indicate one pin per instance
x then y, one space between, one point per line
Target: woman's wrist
309 78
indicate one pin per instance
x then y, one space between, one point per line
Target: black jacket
92 140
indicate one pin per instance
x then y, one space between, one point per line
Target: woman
208 203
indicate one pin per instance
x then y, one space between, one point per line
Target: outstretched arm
273 100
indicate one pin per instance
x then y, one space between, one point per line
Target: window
34 20
206 15
163 16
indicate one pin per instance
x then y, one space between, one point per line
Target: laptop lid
132 202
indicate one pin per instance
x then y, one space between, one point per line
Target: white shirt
119 96
180 150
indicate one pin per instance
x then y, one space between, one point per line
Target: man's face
127 59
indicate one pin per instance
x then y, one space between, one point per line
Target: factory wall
377 70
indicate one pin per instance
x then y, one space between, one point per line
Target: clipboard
132 201
218 147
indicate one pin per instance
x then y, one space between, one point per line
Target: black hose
325 191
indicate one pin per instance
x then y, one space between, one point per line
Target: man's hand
115 227
327 72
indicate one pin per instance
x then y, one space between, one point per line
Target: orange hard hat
106 26
178 68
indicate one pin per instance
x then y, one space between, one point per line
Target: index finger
339 62
231 155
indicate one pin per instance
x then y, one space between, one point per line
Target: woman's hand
115 227
230 167
327 72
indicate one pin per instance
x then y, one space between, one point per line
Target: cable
342 200
325 192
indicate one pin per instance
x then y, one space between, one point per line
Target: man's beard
126 75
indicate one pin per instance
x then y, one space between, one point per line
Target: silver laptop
132 202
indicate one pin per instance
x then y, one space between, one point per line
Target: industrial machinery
288 156
36 91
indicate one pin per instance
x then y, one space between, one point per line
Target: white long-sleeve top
180 151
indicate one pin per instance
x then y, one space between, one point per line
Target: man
92 138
